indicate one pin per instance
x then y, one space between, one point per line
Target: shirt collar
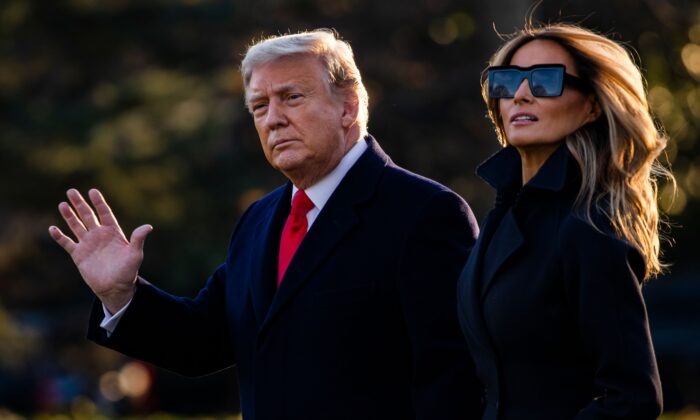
503 170
321 191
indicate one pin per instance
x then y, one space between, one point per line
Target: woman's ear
595 111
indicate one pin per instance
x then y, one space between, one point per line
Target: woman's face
531 121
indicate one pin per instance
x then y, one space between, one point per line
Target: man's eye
256 108
294 96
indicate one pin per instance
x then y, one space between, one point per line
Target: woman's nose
523 93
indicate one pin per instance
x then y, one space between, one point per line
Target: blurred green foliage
143 100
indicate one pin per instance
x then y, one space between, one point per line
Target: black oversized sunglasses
545 80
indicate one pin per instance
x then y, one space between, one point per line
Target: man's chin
291 168
287 165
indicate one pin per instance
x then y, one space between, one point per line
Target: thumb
138 236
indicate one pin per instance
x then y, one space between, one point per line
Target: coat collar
503 171
556 181
335 221
559 174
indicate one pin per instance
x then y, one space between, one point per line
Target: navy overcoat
364 324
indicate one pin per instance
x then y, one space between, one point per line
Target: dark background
143 100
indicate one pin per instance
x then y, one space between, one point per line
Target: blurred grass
7 415
143 100
689 413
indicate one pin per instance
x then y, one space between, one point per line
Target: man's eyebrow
286 87
280 89
254 97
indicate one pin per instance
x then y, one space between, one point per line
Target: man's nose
523 94
276 116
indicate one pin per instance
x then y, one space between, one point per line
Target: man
337 297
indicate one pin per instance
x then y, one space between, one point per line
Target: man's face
302 124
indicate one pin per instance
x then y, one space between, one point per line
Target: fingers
138 236
73 222
83 210
104 212
58 236
81 218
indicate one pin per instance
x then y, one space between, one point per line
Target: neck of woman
533 157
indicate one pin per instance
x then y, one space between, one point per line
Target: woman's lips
523 118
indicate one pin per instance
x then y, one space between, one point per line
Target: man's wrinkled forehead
308 61
285 74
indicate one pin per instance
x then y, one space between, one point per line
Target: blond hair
335 54
617 154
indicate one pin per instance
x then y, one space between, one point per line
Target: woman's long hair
617 154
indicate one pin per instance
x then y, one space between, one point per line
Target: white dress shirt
319 193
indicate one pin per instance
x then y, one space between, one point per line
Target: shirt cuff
110 321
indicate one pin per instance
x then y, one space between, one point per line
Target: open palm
107 261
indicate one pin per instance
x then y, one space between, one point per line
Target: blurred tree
17 343
142 99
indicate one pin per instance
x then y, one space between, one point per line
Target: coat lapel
500 238
336 220
502 171
469 293
506 240
264 268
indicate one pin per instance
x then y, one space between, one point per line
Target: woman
550 299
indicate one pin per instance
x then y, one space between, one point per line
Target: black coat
551 307
364 324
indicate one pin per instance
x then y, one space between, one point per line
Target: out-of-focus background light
144 101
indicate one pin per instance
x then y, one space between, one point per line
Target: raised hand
108 262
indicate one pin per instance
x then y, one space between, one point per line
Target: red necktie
294 230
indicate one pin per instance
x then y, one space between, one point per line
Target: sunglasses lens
504 83
547 82
543 81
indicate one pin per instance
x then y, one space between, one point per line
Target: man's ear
351 108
